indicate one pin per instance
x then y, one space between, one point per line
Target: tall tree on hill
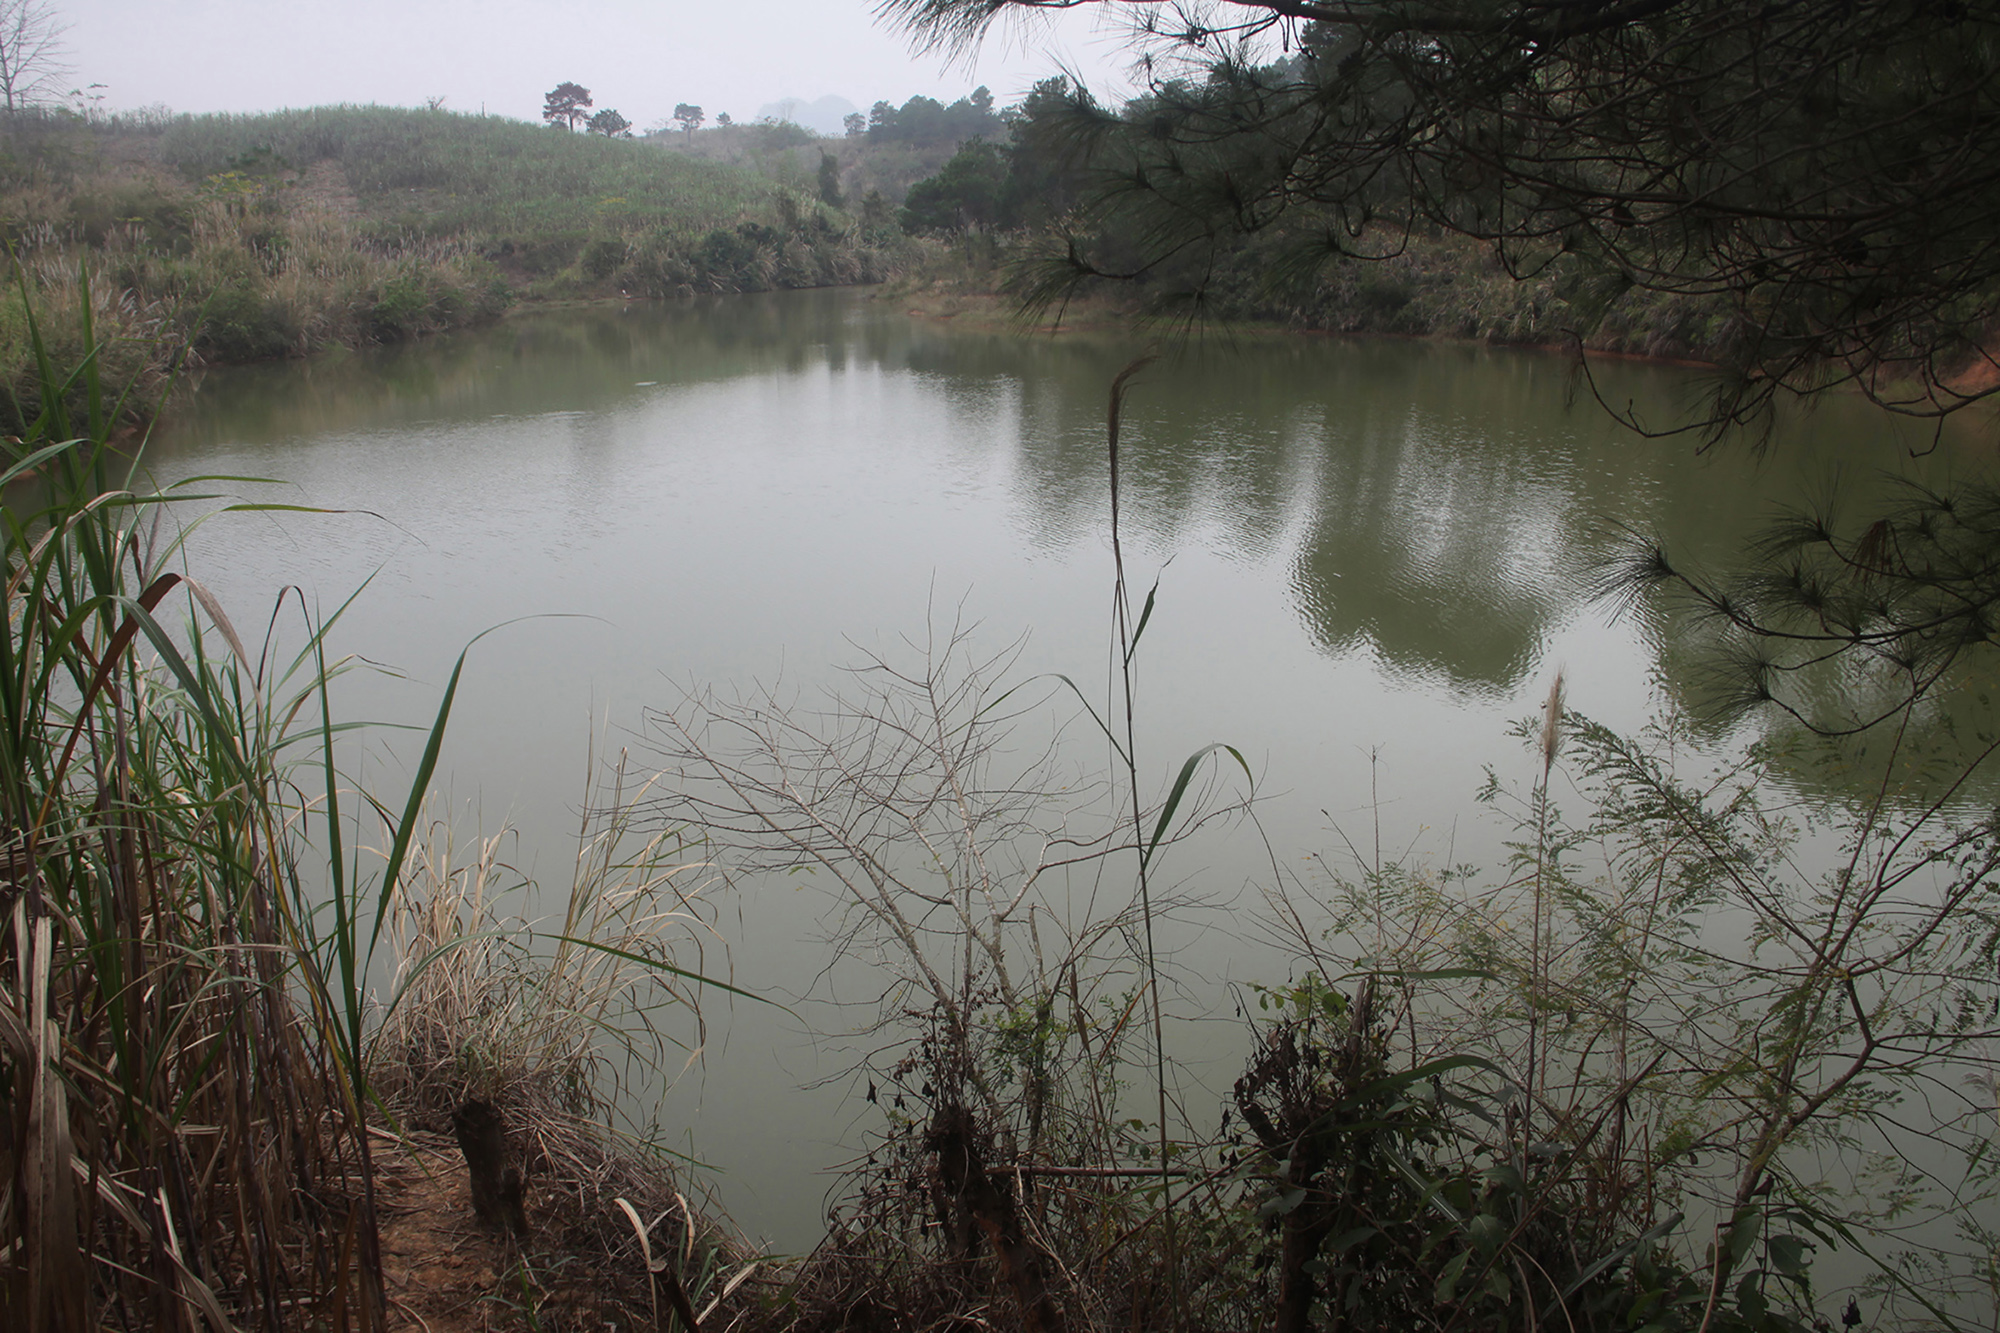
564 104
31 53
829 181
969 194
925 120
690 116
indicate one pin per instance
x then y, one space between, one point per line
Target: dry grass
561 1023
183 1146
187 1039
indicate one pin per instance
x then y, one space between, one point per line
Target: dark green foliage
829 181
564 105
1046 162
748 258
239 324
970 193
874 210
1390 1202
1820 167
925 120
1032 180
413 303
602 257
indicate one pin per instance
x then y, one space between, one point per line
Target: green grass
451 173
238 238
187 1142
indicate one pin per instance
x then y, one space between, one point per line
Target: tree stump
498 1189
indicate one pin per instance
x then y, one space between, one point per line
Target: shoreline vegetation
279 1054
236 238
219 239
1673 1067
1441 288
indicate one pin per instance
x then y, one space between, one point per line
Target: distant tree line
925 120
1012 168
1024 180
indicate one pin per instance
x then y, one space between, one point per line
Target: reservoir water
1371 559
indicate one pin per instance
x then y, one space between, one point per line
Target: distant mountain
821 117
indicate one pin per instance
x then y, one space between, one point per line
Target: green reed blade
1180 787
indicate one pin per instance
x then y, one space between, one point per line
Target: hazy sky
639 56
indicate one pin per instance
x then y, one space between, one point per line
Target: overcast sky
639 56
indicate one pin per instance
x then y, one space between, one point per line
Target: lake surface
1372 558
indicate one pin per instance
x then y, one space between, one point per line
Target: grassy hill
240 237
788 155
441 171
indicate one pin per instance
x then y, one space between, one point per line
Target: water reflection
1368 548
1443 506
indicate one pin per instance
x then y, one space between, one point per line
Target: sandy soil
444 1273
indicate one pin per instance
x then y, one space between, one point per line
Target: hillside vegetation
240 237
871 168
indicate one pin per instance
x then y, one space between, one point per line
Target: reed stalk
1127 632
1548 741
188 1151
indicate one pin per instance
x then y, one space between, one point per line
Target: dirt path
324 185
444 1273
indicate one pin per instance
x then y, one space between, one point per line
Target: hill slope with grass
243 237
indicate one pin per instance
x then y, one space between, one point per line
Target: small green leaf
1283 1204
1750 1299
1179 790
1742 1235
1487 1232
1788 1255
1144 616
1447 1282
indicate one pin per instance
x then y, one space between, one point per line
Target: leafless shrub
970 873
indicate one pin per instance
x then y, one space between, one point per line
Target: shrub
239 323
603 257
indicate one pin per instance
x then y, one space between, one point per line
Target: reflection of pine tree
1809 184
1822 166
1908 590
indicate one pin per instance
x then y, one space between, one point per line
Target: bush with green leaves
1707 1057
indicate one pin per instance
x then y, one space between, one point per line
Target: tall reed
181 1147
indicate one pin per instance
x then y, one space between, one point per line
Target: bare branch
32 65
